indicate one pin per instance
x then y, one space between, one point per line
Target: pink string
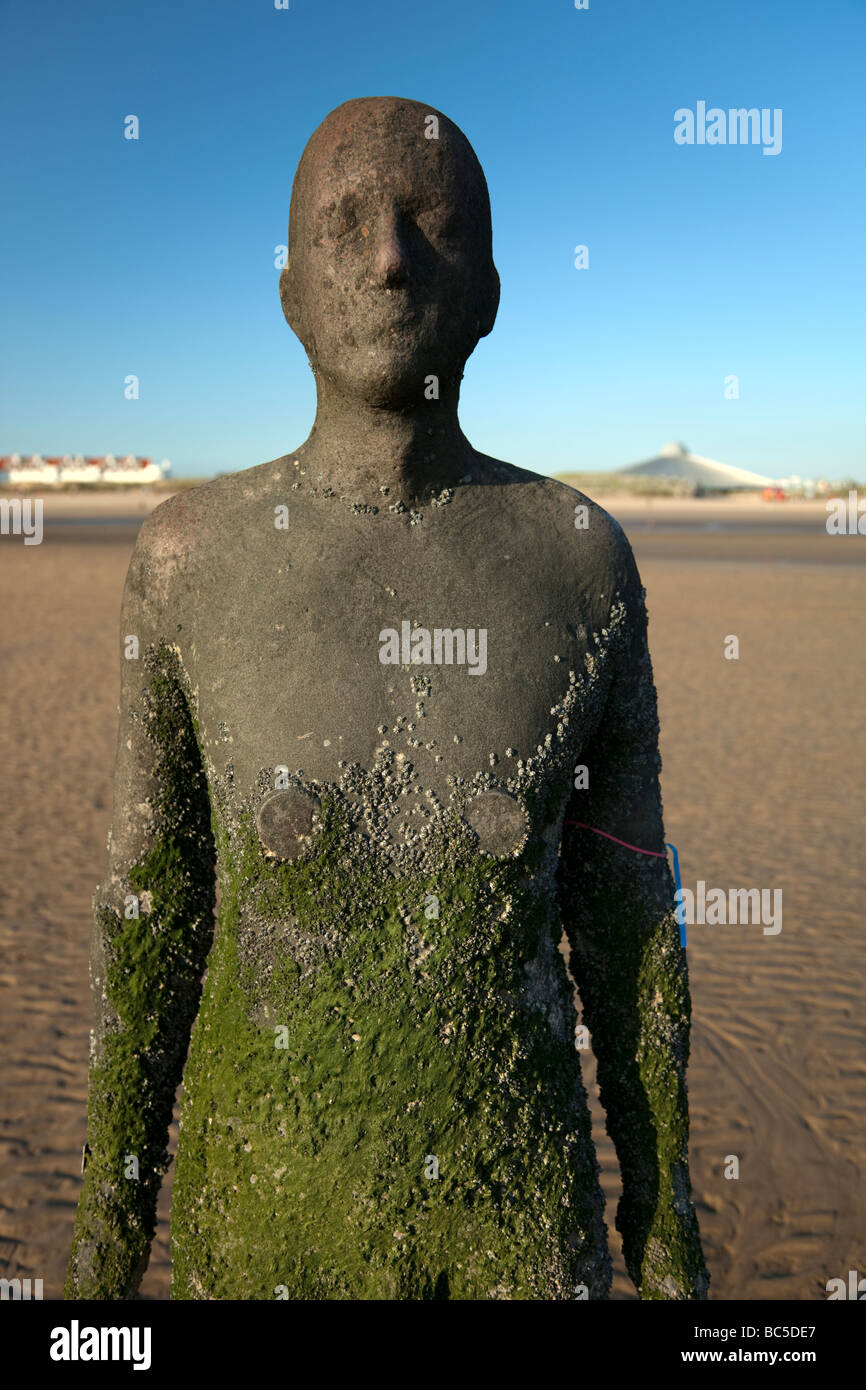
656 853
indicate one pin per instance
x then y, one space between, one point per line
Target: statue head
390 277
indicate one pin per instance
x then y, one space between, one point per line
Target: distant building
676 462
78 469
133 470
37 471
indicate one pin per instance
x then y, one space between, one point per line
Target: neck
358 449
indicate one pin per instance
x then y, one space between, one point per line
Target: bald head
390 276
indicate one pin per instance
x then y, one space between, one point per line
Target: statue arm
619 916
152 929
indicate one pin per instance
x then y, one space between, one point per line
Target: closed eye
441 228
343 219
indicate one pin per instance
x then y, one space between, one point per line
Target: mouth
389 320
399 307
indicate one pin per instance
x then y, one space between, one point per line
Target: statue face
390 278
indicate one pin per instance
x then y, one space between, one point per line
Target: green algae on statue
382 1094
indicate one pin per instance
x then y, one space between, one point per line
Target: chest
452 648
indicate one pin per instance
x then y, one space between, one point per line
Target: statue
357 683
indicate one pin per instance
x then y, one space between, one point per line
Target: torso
408 952
280 628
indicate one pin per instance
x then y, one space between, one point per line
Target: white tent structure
675 461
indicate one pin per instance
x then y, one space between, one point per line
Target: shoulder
180 537
569 522
182 529
178 522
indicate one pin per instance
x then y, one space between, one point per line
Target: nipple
499 823
285 822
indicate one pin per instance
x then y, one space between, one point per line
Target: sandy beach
763 769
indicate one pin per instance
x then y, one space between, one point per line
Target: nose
390 264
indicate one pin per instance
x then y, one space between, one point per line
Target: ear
488 302
289 301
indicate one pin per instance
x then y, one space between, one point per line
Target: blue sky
156 256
